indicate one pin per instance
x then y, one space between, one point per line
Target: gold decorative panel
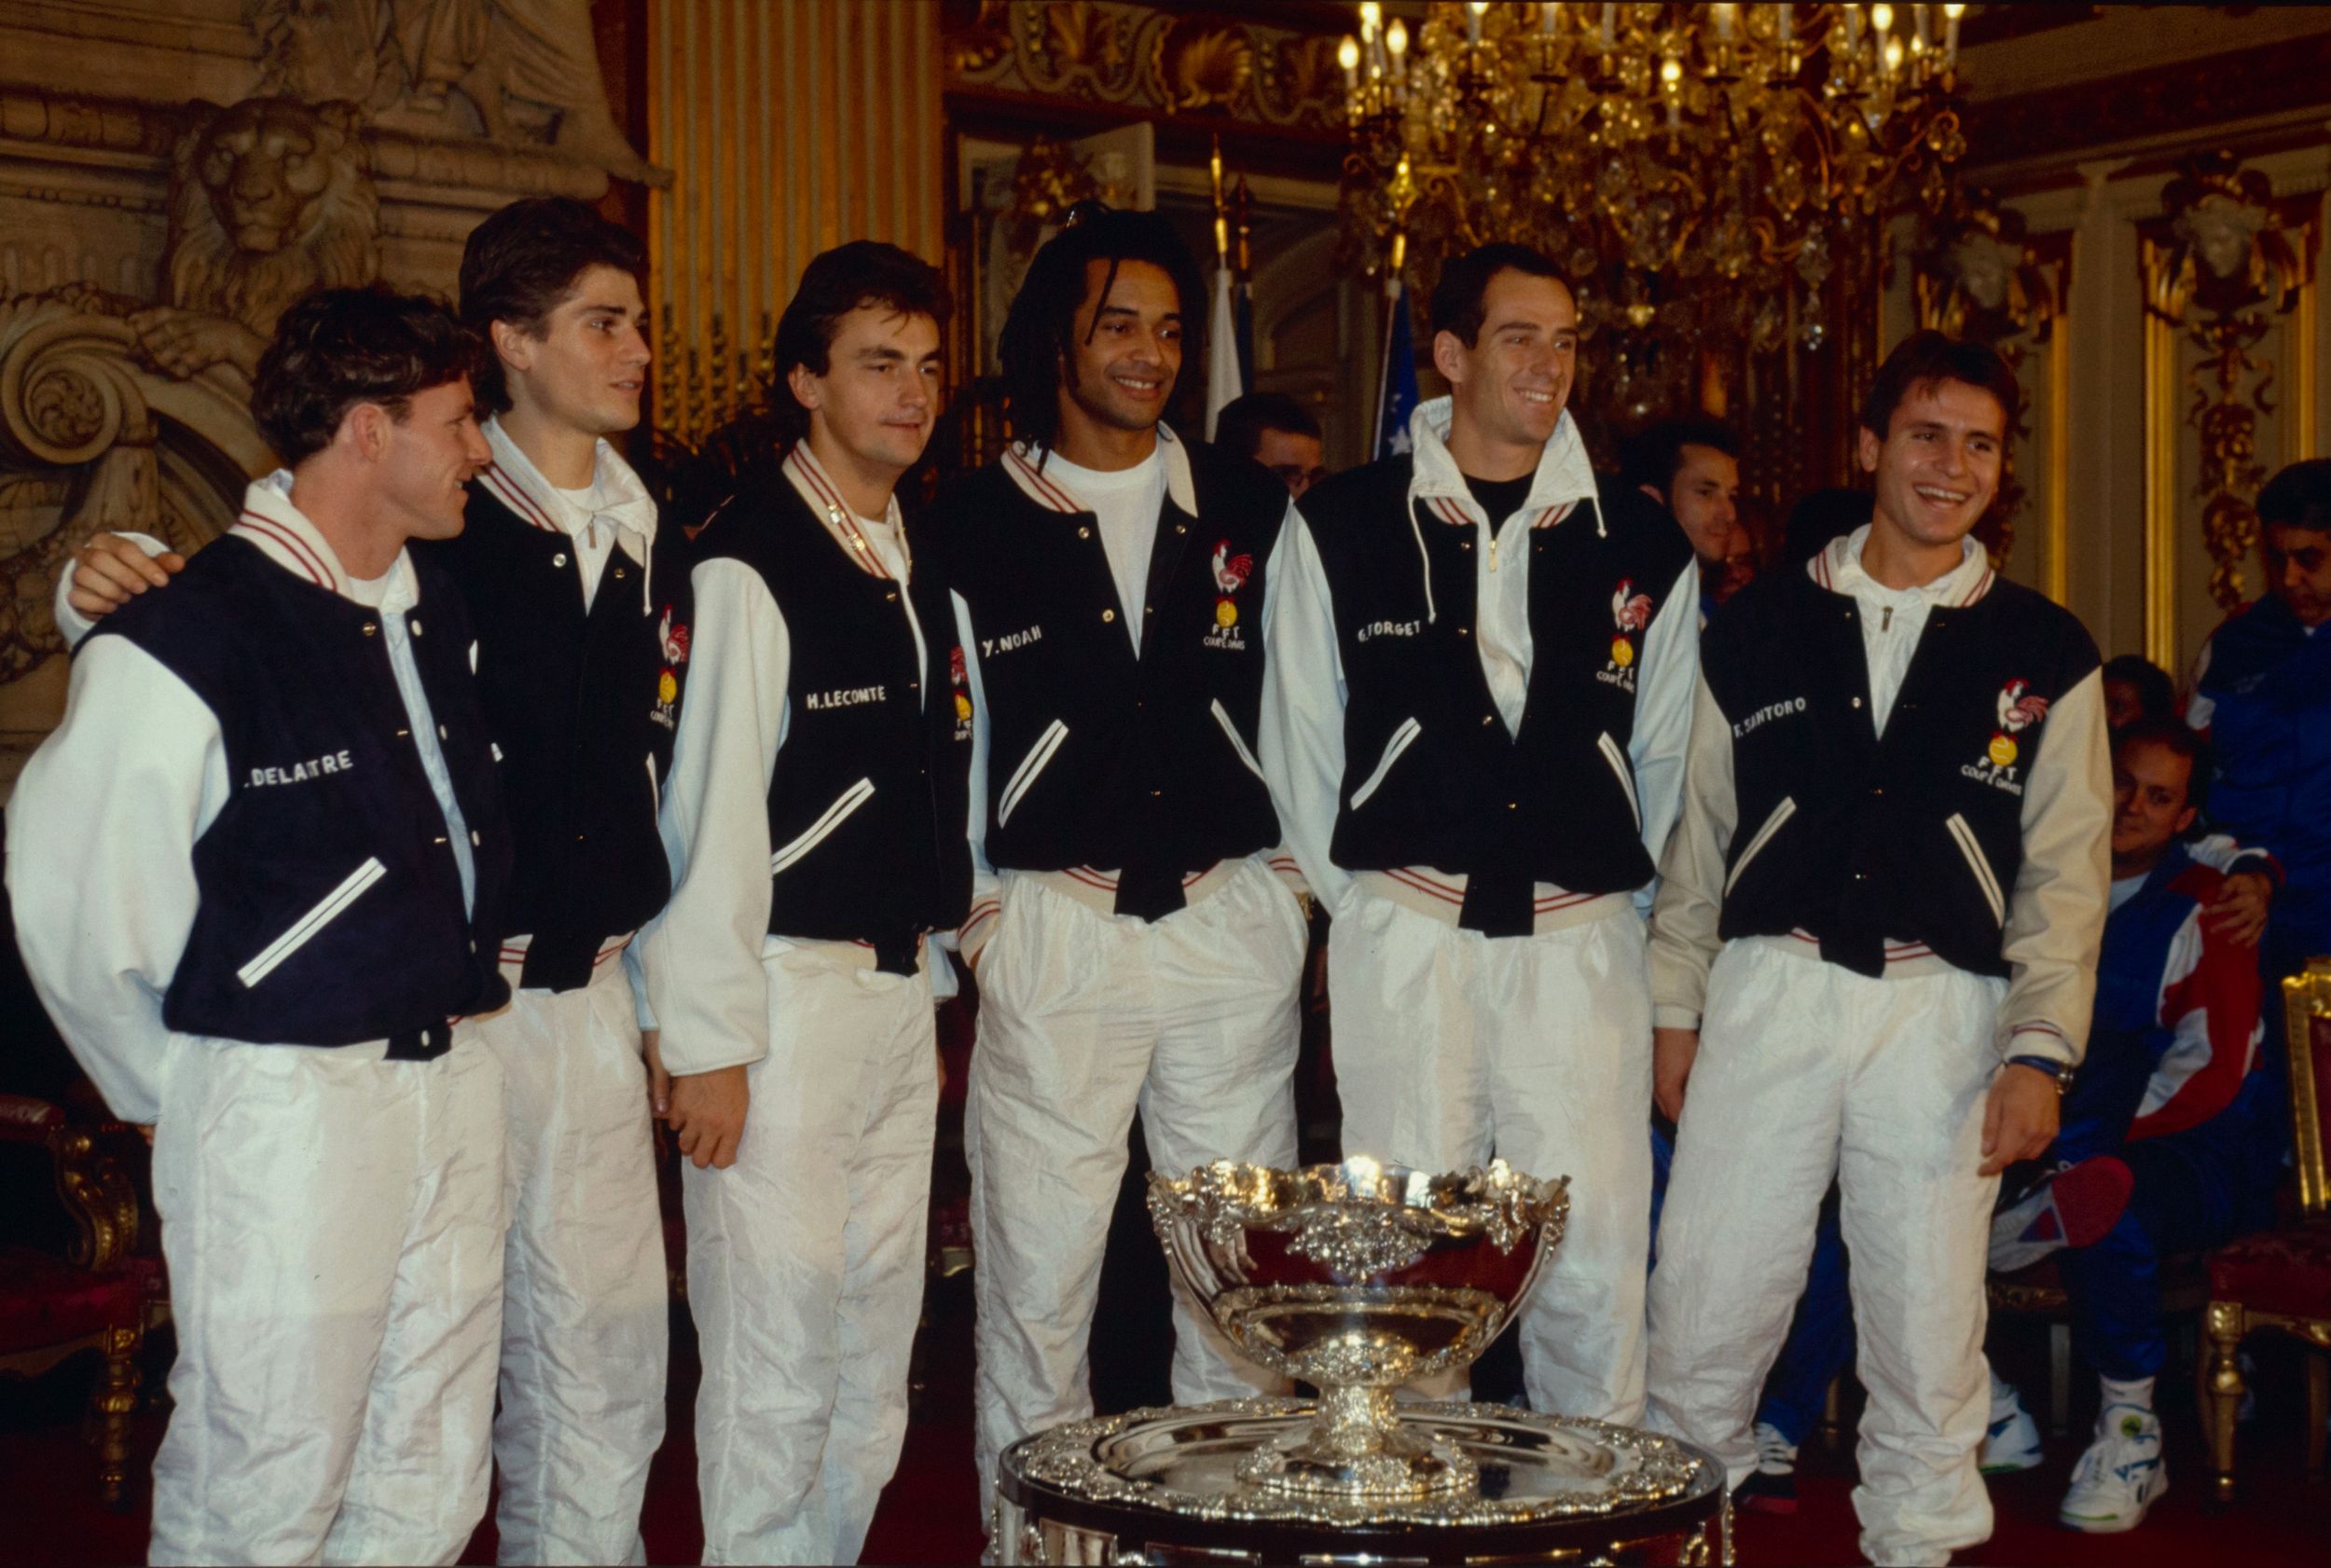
788 128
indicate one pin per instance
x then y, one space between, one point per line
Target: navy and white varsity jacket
272 814
1971 832
582 699
1127 779
1481 718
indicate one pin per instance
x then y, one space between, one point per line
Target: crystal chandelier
1712 178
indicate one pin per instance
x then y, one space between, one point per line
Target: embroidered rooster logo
674 639
1231 572
2018 708
959 679
1629 610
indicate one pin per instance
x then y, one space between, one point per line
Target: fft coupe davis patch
674 642
1629 613
2018 710
1230 574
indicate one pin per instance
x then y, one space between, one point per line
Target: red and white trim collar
1024 463
270 522
824 498
1839 562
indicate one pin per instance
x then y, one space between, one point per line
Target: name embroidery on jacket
1771 710
842 697
1390 628
301 773
990 646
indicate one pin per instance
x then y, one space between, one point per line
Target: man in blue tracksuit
2172 1138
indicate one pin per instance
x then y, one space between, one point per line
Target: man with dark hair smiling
814 822
1480 689
257 872
1136 945
581 610
1691 466
1881 912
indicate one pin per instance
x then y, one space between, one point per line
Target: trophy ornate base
1354 1449
1241 1481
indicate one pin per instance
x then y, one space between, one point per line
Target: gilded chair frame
2306 997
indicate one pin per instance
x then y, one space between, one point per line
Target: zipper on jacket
1023 777
1618 761
303 930
1979 863
817 832
1885 617
1403 737
1780 813
1238 744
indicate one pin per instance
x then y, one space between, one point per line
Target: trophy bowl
1358 1278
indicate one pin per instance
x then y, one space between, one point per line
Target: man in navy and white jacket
582 610
258 873
815 827
1479 686
1135 943
1874 951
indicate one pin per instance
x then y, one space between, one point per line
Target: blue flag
1396 393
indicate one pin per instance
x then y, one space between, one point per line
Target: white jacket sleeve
101 863
1662 717
2056 912
1690 908
702 955
986 895
1303 698
71 624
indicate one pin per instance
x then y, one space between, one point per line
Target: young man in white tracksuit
581 610
1874 951
1136 947
1481 672
257 872
814 826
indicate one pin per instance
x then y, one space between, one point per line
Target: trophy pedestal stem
1356 1449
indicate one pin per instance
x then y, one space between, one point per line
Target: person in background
1691 466
2261 690
2173 1132
2137 688
1276 432
258 871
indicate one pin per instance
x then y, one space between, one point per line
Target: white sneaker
2119 1476
2012 1440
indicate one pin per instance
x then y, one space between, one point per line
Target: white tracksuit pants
585 1316
1083 1018
1807 1071
333 1224
1452 1047
805 1263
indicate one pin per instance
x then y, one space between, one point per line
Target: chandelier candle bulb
1473 21
1347 56
1951 15
1610 28
1548 18
1722 16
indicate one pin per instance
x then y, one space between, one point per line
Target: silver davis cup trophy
1358 1279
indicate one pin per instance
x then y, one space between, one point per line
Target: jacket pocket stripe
1781 814
1221 716
304 930
1023 777
654 787
816 832
1403 738
1979 863
1618 761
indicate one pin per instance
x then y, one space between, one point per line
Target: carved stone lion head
269 200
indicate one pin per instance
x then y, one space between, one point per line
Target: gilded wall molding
2224 259
1151 62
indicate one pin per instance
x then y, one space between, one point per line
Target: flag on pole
1396 392
1242 303
1223 381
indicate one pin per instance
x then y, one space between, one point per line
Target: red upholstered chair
2282 1279
88 1292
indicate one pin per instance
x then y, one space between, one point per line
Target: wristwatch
2061 1071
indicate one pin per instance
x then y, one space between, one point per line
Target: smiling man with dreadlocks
1135 946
